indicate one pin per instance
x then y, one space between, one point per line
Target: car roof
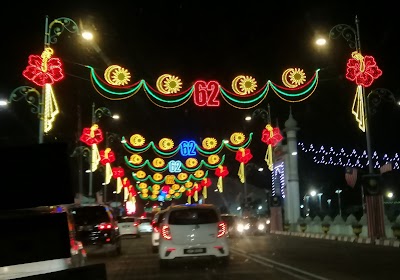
182 206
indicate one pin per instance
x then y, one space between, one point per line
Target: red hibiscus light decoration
91 137
243 155
221 172
107 157
44 69
205 183
363 71
270 136
118 173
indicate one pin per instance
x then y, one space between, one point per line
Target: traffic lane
138 262
327 258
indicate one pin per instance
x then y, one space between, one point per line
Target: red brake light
221 229
165 232
135 224
156 229
104 226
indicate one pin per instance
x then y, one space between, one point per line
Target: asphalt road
261 257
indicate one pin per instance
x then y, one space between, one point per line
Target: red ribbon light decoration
363 71
91 137
189 194
205 183
107 157
271 136
243 155
118 173
221 172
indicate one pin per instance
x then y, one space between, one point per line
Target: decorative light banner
167 148
44 71
342 158
278 179
363 71
169 92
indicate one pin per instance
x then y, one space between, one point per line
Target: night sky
203 40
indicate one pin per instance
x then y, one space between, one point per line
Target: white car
195 230
128 226
155 234
144 224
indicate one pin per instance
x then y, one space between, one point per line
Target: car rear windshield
193 216
126 220
90 215
229 219
145 220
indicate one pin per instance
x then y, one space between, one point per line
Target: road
262 257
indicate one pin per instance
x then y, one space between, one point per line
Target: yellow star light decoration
293 77
244 85
116 75
168 84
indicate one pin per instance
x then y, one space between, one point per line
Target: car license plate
125 226
194 251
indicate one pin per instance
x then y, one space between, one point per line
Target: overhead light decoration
169 84
92 136
271 136
243 156
107 157
243 85
116 75
118 173
221 172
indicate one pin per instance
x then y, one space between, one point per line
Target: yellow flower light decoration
237 138
116 75
169 84
182 176
191 162
137 140
143 185
199 173
141 174
157 176
158 162
293 77
213 159
209 143
189 185
136 159
166 144
244 85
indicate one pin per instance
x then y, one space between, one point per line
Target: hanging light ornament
91 137
205 183
189 194
243 155
271 136
107 157
118 173
125 184
363 71
221 172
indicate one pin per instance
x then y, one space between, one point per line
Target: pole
91 158
339 203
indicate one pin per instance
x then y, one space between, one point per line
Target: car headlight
261 227
247 226
268 221
240 228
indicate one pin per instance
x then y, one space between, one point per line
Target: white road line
264 261
290 267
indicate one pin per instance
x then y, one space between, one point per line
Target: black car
97 228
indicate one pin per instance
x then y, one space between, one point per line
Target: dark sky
204 40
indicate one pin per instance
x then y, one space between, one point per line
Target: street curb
361 240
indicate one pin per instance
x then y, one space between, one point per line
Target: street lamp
375 213
338 191
38 101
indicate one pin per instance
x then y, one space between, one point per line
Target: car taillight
165 232
135 224
156 229
221 229
104 226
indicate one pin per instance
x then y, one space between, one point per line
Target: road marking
278 266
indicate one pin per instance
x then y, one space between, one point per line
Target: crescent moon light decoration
293 77
116 75
168 84
243 85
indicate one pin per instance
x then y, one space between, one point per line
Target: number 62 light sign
206 93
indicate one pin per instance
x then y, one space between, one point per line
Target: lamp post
96 115
373 209
338 191
38 101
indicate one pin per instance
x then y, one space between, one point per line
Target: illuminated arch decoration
363 71
107 157
169 92
270 136
168 179
91 137
44 71
236 141
339 157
